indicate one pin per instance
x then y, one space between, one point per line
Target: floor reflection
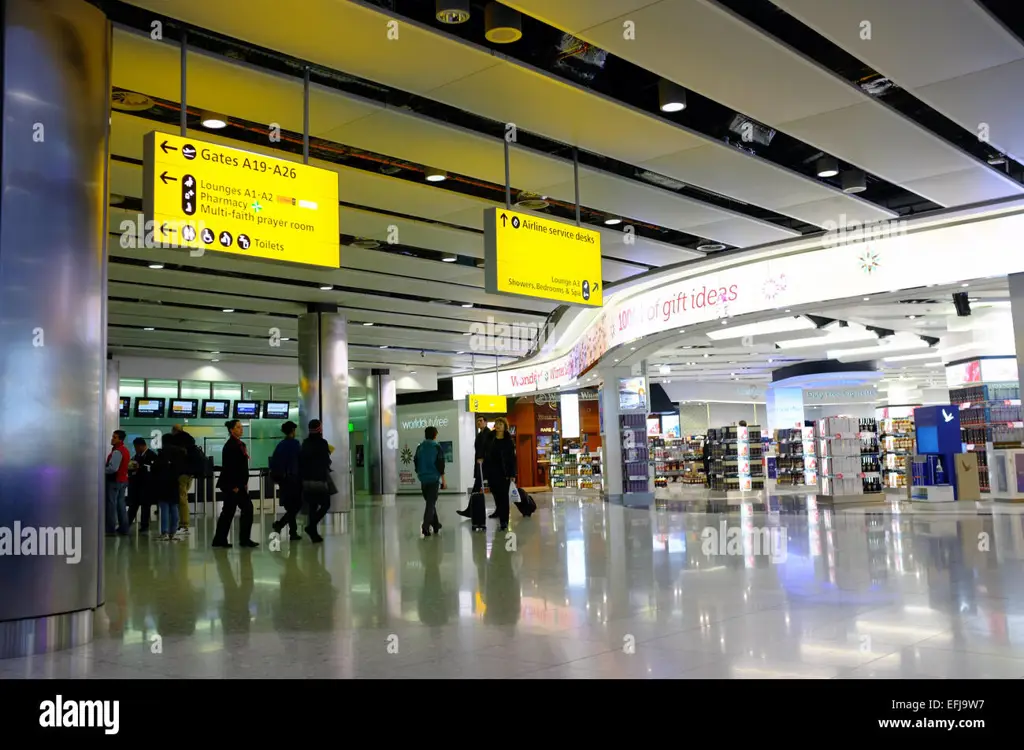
778 587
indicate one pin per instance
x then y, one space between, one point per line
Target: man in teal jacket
429 463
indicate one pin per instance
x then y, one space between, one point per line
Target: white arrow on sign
947 417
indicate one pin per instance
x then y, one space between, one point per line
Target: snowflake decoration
406 455
868 262
774 286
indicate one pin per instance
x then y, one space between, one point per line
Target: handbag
513 491
320 487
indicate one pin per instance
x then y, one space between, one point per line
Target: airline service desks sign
486 404
530 256
218 199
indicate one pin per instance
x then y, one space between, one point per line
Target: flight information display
247 409
184 408
216 409
125 407
275 409
151 408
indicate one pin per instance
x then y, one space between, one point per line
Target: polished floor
583 590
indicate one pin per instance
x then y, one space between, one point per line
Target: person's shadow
234 611
177 602
306 594
502 596
436 604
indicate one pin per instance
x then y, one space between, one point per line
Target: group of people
495 454
146 478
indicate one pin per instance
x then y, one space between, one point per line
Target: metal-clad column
53 250
323 390
382 432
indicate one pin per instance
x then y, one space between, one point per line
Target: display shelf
990 414
736 459
897 443
635 454
677 460
796 460
576 469
848 457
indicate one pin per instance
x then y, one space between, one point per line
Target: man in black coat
234 486
483 432
140 484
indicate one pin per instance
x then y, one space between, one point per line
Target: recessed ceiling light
156 266
435 175
383 346
911 317
367 324
706 355
965 285
285 339
213 120
770 361
214 352
148 329
468 305
867 299
413 372
682 330
228 309
789 310
725 322
468 333
616 360
326 287
460 352
612 221
452 11
449 258
632 348
215 360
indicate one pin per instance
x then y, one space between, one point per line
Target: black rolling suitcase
526 505
477 506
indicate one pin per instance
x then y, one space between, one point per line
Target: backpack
196 461
438 461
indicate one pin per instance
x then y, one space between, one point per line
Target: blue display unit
937 431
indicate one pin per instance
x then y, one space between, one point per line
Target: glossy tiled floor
589 591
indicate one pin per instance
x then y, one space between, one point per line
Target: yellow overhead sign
530 256
483 404
218 199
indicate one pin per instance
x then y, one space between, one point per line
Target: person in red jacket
117 484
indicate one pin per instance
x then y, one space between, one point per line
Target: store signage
478 403
553 398
785 275
987 370
841 395
632 394
530 256
213 198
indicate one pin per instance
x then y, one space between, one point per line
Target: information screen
125 408
152 408
216 409
247 409
184 408
275 409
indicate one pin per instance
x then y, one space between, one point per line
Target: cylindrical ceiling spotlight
452 11
854 181
213 120
435 175
827 167
611 221
671 97
449 258
503 24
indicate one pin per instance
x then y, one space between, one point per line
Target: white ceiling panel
960 61
150 67
774 84
154 68
353 38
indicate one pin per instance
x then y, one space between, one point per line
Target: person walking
140 484
116 472
234 486
500 468
429 463
315 473
284 469
166 470
482 435
187 443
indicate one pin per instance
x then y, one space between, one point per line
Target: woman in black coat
234 486
315 473
500 468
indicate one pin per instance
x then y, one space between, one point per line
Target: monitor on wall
150 408
125 408
275 409
247 410
216 409
184 408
